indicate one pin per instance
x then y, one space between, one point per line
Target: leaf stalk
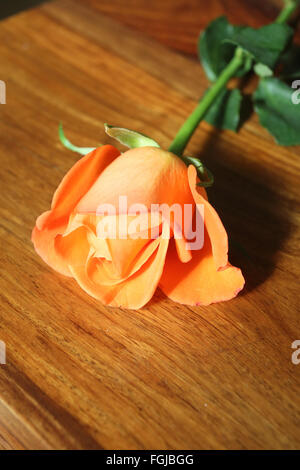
190 125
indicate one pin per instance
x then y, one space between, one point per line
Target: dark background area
13 6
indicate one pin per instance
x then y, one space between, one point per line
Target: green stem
185 133
188 128
287 11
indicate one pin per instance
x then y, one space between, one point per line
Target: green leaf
265 44
273 102
129 138
66 143
224 113
214 53
290 61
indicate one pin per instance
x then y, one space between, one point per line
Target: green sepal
224 113
66 143
273 102
204 174
130 138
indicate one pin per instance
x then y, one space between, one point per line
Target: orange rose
126 271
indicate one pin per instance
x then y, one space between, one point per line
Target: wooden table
78 374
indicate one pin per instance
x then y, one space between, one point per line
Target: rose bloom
126 272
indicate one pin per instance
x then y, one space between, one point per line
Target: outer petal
72 188
198 282
213 223
43 242
146 175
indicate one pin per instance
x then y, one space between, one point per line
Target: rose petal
146 175
71 189
198 282
132 293
213 223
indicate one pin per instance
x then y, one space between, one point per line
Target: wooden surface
78 374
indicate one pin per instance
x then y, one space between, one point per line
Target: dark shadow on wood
15 6
255 216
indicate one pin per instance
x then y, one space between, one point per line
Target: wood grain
177 23
80 375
